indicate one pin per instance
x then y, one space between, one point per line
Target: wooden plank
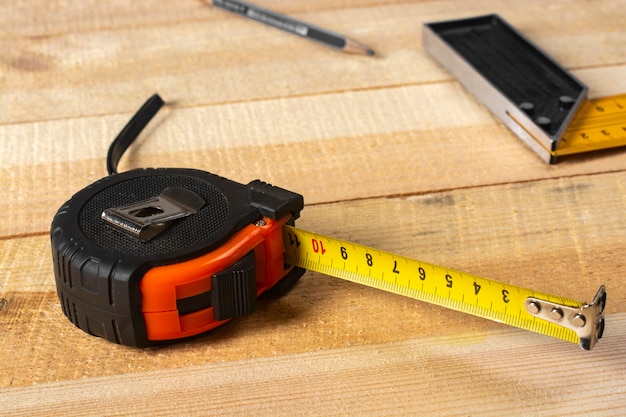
189 59
374 143
389 152
558 236
24 19
492 373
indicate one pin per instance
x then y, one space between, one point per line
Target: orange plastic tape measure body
162 286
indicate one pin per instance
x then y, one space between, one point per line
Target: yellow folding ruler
551 315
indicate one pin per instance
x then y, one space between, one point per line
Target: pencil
293 26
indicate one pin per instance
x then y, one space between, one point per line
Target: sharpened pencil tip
355 47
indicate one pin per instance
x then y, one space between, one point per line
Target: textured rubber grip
98 269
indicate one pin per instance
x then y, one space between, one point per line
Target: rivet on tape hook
587 321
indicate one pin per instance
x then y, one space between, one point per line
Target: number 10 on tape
551 315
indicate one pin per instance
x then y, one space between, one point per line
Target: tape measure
154 255
600 124
149 256
551 315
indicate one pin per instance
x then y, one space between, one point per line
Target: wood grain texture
489 374
390 152
563 243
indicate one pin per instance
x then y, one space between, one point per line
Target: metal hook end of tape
587 321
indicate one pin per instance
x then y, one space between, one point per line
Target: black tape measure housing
98 268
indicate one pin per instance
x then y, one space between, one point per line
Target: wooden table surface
389 151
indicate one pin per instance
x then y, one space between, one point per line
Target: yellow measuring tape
599 124
551 315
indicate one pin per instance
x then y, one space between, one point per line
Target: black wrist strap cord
130 132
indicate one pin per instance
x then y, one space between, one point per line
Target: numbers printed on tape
445 287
